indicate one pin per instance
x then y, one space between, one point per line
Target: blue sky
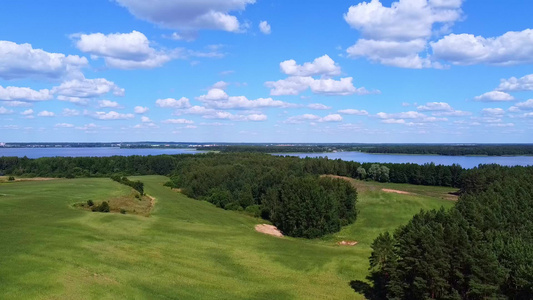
448 71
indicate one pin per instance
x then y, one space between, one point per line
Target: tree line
480 249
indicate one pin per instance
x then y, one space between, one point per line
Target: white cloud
521 106
415 117
178 121
510 48
22 61
295 85
46 113
331 118
323 65
112 115
264 27
514 84
173 103
145 119
493 111
81 90
214 94
16 103
318 106
191 127
224 115
195 110
146 125
353 112
27 112
396 35
63 125
67 112
494 96
500 125
189 15
108 104
12 93
89 127
5 111
310 117
140 109
220 85
454 113
435 106
123 50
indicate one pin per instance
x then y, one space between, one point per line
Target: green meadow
184 249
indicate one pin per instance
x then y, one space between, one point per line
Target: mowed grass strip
186 249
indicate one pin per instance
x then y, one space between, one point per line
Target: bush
103 207
123 211
11 178
90 202
233 206
254 210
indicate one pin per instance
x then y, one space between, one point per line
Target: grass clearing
186 249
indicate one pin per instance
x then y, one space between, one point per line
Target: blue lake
464 161
82 152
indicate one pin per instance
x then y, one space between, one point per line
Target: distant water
84 152
465 161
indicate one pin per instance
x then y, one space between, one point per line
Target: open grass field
185 249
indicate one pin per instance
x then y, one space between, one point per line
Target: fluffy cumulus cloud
63 125
396 35
318 106
493 112
67 112
412 117
301 79
140 109
46 113
442 109
494 96
189 15
112 115
218 99
108 104
82 90
313 118
5 111
173 103
264 27
323 65
510 48
355 112
23 61
514 84
295 85
123 50
27 112
435 106
12 93
178 121
224 115
522 106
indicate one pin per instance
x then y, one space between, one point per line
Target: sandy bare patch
36 179
152 201
347 243
396 191
268 229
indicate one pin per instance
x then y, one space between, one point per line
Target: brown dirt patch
268 229
35 179
347 243
396 191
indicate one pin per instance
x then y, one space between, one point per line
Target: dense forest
452 150
261 184
480 249
437 149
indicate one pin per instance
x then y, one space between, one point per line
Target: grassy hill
185 249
